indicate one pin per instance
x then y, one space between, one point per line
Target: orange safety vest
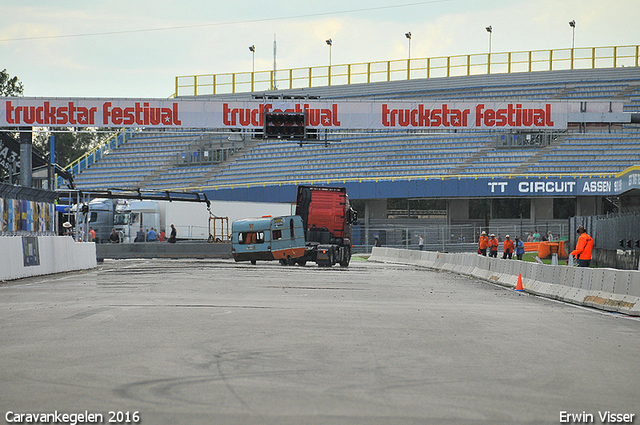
583 247
493 244
484 241
509 246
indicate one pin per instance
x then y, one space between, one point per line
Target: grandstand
155 161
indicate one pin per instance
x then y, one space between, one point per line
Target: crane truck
324 217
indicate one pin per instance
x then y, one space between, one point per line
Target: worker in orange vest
583 248
483 243
493 246
509 246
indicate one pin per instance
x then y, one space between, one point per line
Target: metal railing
406 69
344 180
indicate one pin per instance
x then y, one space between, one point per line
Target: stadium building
418 172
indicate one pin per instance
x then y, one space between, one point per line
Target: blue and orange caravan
269 238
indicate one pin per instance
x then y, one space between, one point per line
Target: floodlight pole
252 48
408 35
330 44
490 31
572 24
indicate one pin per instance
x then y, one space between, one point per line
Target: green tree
70 144
10 86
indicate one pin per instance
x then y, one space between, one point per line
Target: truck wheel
253 262
290 261
301 263
283 262
347 257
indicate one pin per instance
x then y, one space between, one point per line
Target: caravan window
246 238
276 234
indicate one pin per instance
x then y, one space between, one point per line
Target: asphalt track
214 342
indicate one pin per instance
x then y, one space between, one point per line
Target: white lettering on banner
193 113
597 186
502 185
546 187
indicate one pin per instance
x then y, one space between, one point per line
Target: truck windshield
121 219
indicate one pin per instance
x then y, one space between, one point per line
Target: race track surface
215 342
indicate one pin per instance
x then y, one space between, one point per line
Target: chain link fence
616 238
449 238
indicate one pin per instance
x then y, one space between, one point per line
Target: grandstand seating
139 158
148 160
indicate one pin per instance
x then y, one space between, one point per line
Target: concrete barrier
41 255
602 288
181 249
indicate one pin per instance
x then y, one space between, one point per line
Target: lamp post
572 24
252 48
490 31
408 35
329 43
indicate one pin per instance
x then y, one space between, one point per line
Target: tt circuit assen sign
550 187
177 113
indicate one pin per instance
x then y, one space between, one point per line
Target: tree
70 145
10 86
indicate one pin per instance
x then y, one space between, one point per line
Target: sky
135 49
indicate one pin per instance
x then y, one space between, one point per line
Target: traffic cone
519 284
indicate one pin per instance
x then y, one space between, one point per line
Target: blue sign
458 187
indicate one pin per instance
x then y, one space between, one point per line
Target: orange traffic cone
519 284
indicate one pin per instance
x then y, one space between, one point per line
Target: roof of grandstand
213 161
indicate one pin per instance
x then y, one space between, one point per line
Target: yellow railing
406 69
344 180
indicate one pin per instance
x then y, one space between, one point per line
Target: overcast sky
118 48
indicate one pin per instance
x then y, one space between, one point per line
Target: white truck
190 219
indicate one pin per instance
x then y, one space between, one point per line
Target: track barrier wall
602 288
26 256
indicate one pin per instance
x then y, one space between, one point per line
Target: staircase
523 167
473 158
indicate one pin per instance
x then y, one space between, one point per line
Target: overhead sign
177 113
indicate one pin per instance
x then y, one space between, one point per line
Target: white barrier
605 289
51 254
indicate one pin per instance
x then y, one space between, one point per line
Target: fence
406 69
209 150
616 238
26 211
446 238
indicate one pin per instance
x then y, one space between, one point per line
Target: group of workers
582 253
510 247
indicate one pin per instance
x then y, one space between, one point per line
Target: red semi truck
327 218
